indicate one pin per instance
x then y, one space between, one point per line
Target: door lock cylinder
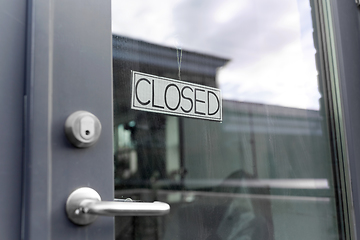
82 129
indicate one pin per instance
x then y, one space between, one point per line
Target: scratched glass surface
266 171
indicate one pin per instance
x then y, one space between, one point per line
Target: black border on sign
133 73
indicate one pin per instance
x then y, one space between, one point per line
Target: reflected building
193 164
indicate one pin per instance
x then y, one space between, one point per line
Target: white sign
164 95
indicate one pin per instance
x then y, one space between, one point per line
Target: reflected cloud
272 52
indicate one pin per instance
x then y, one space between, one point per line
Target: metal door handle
84 205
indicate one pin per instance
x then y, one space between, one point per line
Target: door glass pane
266 171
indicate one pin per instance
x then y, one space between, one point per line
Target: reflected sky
269 43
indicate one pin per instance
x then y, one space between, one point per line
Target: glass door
266 170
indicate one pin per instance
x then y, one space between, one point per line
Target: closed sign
164 95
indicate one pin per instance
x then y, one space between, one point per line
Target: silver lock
82 129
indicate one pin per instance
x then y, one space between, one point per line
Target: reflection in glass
266 171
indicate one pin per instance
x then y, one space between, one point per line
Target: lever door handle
84 205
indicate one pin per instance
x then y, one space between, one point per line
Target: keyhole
87 132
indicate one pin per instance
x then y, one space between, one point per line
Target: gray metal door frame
346 17
69 68
12 75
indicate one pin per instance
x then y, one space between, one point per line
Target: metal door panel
69 69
